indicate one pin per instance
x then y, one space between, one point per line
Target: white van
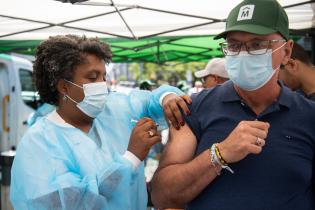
18 99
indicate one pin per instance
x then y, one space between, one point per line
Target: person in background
88 153
182 85
196 89
213 74
146 85
299 72
249 143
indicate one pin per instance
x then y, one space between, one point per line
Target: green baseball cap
260 17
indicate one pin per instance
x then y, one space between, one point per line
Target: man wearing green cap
248 144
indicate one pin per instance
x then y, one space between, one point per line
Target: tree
170 72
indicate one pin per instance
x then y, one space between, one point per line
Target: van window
29 94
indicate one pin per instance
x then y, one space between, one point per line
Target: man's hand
172 104
247 138
143 137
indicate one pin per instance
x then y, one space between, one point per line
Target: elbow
161 196
161 201
157 202
159 193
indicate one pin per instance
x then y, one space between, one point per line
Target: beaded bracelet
217 151
215 160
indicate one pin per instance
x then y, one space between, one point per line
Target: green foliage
134 69
170 72
122 78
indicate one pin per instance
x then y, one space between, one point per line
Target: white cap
215 66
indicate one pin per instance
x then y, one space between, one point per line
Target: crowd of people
244 138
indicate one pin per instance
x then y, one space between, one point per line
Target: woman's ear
288 51
62 87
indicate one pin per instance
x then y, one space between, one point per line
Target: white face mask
94 98
251 72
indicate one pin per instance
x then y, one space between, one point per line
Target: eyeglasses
252 47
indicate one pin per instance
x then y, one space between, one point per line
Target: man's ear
62 87
288 51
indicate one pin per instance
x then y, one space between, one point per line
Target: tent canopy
138 30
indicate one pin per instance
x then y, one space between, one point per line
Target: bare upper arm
180 148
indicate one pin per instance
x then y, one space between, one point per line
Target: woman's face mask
94 98
251 72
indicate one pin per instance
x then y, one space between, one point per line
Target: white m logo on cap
246 12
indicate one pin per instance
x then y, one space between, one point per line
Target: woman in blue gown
88 153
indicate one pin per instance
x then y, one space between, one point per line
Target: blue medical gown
41 111
58 167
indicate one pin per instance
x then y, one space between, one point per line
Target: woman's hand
143 137
172 104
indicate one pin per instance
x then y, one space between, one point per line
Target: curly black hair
58 56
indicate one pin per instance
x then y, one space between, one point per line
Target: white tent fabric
38 19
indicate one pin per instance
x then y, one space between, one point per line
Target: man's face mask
251 72
94 98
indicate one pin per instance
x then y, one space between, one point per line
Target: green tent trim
156 50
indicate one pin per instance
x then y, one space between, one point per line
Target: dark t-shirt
281 177
311 96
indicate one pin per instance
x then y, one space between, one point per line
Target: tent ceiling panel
8 26
215 28
209 8
301 17
52 31
49 10
151 23
145 30
143 17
